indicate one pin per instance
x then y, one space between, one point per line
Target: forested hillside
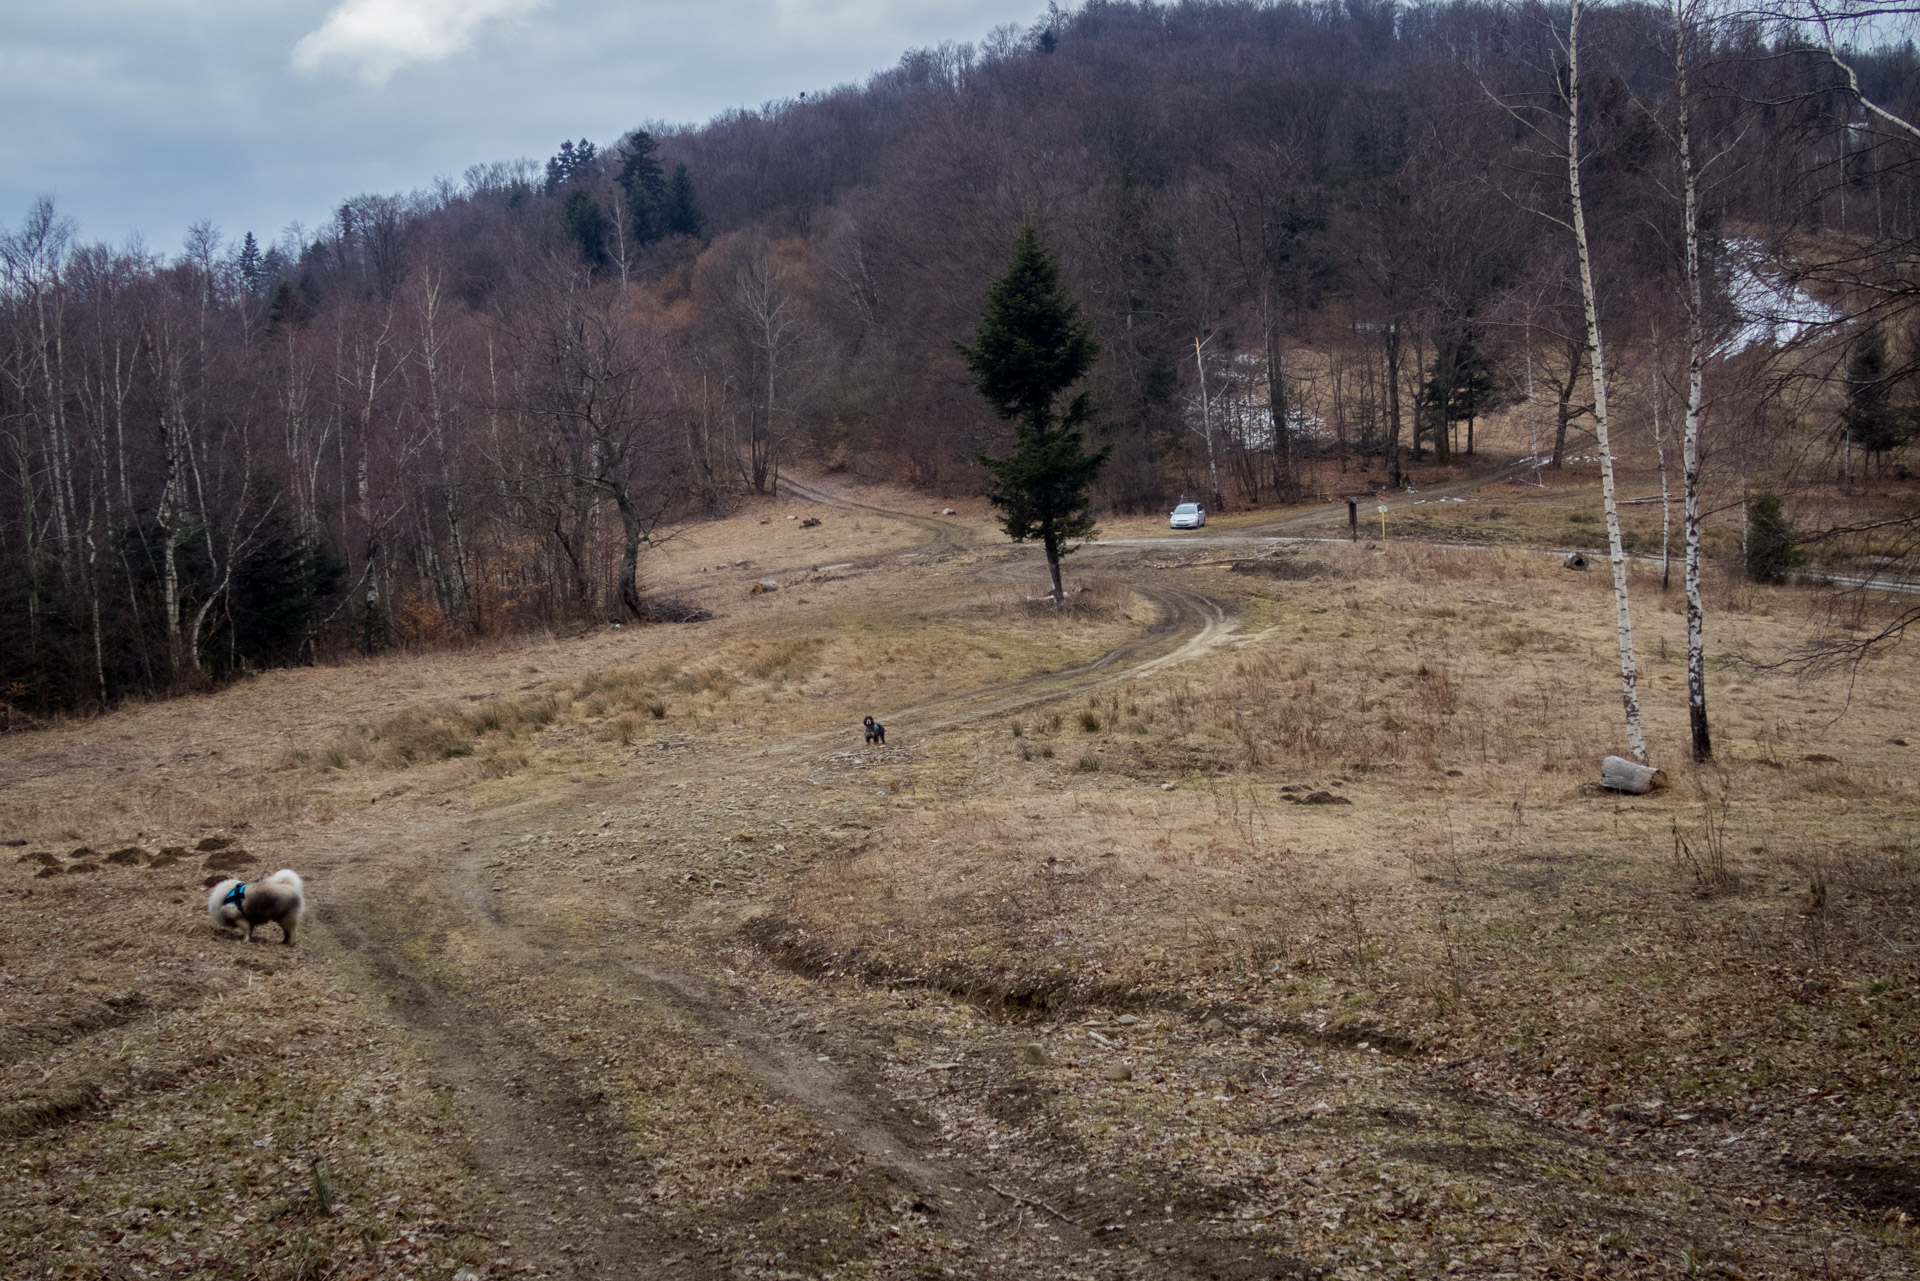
1313 239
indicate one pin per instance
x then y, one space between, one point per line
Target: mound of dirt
212 843
131 856
228 860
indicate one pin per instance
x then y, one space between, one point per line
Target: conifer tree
249 264
680 213
1874 424
1032 344
646 188
573 160
585 223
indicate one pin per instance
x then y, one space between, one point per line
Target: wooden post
1353 519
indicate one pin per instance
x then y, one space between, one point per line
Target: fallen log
1618 774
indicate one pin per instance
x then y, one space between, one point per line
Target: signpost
1383 522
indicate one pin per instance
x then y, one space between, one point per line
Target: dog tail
291 879
217 896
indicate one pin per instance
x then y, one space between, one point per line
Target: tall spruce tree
646 188
680 213
251 273
586 224
1032 344
1873 422
573 160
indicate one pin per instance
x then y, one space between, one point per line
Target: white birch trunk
1666 496
1206 425
1622 614
1702 739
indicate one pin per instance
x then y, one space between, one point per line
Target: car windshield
1187 509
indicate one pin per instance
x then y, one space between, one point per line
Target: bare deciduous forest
1318 244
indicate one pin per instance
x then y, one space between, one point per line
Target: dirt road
634 980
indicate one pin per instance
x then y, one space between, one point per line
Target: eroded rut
595 1048
502 990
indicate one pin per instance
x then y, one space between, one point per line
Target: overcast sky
140 117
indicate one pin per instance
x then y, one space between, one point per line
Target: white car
1188 516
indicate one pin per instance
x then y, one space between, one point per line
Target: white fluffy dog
279 898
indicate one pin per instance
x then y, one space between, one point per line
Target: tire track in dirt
538 1127
534 1130
1189 625
947 536
539 1130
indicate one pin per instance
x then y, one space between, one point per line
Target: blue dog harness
234 896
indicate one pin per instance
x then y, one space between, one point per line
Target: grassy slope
1477 1017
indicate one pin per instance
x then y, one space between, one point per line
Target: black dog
876 732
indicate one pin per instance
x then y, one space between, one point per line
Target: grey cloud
145 118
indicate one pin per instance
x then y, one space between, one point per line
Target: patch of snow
1773 312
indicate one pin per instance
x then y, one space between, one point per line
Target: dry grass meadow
1254 917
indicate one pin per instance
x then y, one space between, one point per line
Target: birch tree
1596 356
1702 738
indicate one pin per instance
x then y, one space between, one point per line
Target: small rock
213 843
1166 787
946 511
779 848
1035 1054
1215 1024
743 836
762 587
1118 1072
466 1274
1898 742
1126 1020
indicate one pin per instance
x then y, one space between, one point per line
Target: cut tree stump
1574 560
1618 774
